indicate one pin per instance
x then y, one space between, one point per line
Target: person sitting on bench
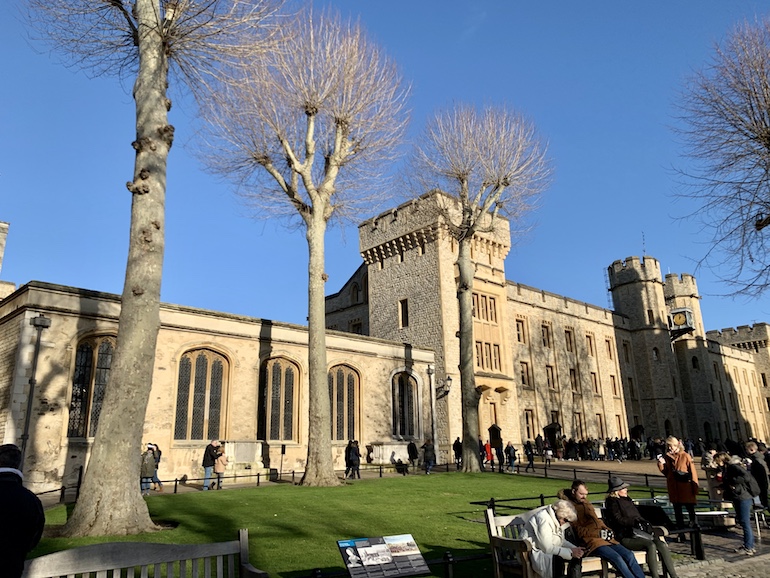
550 549
596 536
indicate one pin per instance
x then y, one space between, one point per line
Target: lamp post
39 323
430 371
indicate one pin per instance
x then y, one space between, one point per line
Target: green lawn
294 529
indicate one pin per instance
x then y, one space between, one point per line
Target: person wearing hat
148 469
623 518
596 536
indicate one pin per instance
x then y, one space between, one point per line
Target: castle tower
409 257
691 350
638 294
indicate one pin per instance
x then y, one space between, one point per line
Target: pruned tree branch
725 111
491 160
328 93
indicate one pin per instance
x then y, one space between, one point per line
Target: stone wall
54 459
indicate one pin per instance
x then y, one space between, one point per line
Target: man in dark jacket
23 517
736 487
210 455
428 456
457 448
758 470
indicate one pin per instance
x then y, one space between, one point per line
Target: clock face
680 319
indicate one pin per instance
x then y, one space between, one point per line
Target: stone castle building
544 362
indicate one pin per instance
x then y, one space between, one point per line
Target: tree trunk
110 501
319 470
470 397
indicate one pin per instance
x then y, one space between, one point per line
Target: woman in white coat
550 549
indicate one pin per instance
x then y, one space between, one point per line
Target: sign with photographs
384 556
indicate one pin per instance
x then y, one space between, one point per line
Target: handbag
642 534
683 475
642 529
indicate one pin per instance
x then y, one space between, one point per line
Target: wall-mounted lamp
443 386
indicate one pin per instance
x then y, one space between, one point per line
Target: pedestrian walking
355 461
157 485
210 455
457 448
529 451
429 455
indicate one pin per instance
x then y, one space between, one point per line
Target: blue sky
600 79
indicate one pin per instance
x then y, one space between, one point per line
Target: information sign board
383 556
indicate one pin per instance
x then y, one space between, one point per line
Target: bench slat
108 556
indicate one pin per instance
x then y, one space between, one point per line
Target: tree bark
319 470
470 397
110 501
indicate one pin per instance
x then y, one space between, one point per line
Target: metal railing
292 476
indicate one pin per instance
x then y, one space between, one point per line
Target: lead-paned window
200 395
404 405
344 396
93 359
277 398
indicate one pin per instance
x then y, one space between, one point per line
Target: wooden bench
115 559
510 553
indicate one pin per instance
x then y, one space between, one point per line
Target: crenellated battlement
633 269
424 220
741 333
683 285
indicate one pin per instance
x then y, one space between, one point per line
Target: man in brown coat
596 536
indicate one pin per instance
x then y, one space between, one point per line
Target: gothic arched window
93 359
278 399
344 401
201 395
404 406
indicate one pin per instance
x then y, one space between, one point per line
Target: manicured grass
294 529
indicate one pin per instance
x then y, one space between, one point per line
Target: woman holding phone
681 479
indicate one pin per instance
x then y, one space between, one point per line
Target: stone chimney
3 235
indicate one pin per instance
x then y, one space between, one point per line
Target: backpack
751 484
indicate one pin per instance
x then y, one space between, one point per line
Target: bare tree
304 132
144 39
726 113
490 164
